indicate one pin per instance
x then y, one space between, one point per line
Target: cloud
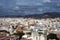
44 5
1 4
16 8
29 2
46 0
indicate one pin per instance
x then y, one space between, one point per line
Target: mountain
45 15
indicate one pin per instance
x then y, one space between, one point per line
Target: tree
20 34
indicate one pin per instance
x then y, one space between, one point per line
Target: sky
13 7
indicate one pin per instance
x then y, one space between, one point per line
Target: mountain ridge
44 15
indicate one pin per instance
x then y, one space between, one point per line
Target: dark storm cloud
12 7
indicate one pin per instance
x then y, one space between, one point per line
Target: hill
45 15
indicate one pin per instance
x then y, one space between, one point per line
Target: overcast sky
46 5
